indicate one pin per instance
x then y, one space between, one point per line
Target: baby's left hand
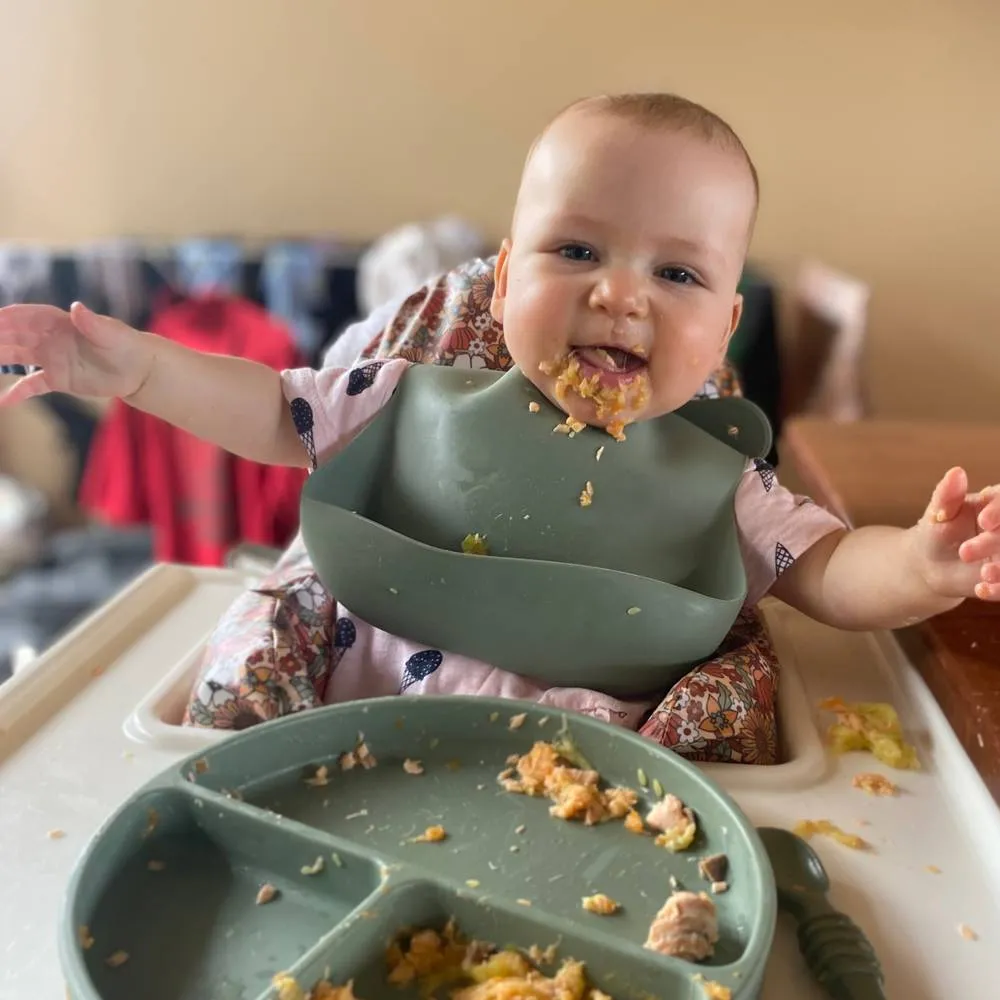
957 541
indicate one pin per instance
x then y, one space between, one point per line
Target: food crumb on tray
320 779
685 927
874 784
533 407
476 970
116 959
932 869
576 792
84 937
675 821
714 867
432 835
712 989
516 721
360 756
544 956
56 834
287 988
315 868
413 766
807 827
600 904
475 544
587 494
967 932
266 893
869 726
634 823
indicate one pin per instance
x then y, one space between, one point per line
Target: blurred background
149 151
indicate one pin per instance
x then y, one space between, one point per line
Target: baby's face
626 250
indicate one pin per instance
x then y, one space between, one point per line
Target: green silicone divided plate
172 878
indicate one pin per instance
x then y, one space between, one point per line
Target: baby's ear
500 283
734 322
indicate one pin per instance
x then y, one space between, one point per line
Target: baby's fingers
988 588
985 545
25 325
988 501
948 497
35 384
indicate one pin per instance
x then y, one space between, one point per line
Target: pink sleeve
775 527
332 406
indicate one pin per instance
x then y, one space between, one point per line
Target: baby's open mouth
614 360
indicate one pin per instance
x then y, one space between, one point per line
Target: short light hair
655 110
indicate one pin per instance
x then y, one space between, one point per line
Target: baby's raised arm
236 404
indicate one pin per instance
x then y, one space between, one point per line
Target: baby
616 291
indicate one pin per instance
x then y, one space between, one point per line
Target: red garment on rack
199 500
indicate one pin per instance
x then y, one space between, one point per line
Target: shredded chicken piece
575 792
685 927
675 821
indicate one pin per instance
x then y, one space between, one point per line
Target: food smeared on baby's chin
614 393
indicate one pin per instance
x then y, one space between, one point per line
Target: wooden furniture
883 472
821 359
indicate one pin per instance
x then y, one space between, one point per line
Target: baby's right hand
79 352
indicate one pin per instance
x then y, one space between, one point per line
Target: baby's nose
621 292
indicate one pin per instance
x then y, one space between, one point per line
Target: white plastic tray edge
39 691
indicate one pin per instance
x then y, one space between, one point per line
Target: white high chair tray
96 717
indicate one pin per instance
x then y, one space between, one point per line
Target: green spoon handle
841 957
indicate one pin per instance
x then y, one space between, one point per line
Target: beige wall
874 125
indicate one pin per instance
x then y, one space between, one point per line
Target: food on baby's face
611 403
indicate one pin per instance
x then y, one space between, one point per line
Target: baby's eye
678 275
576 251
